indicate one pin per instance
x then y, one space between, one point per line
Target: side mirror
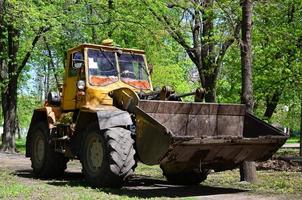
77 64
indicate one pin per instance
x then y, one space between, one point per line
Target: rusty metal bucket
183 136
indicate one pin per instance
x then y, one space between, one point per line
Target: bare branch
52 62
28 54
228 43
228 16
170 28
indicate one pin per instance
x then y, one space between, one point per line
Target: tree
247 169
301 127
1 52
14 58
191 24
276 63
277 51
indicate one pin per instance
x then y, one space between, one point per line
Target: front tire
45 162
107 157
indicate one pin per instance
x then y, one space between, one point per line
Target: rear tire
107 158
45 162
193 177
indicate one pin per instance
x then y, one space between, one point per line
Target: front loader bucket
184 136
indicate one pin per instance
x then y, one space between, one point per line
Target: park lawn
293 139
20 145
269 183
285 184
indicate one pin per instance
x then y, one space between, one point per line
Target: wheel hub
95 154
39 149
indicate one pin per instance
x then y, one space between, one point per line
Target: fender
106 117
48 115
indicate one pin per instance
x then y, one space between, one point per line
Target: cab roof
106 47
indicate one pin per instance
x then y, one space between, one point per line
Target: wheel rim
39 148
94 153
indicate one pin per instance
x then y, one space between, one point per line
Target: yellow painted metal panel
69 93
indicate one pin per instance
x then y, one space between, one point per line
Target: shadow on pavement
138 186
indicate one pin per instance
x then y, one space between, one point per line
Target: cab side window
74 57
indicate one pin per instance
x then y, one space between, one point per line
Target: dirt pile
289 164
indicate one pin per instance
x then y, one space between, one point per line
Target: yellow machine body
94 96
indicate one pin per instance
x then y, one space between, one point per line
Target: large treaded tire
45 162
193 177
108 156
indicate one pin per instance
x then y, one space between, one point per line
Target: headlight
81 85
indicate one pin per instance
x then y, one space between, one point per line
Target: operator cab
96 70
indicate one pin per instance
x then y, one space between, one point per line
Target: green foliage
277 33
277 55
26 104
172 75
277 36
229 82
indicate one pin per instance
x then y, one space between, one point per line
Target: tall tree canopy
195 42
205 29
23 24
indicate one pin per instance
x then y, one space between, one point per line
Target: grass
269 183
285 184
16 187
10 187
20 145
288 152
293 139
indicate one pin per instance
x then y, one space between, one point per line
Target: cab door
70 82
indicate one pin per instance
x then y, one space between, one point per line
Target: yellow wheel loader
108 116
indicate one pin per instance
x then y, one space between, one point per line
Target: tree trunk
9 107
10 71
9 94
94 36
271 104
209 66
301 127
18 129
248 172
110 29
2 69
210 88
1 38
247 169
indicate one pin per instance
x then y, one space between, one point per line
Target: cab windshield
133 70
103 69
